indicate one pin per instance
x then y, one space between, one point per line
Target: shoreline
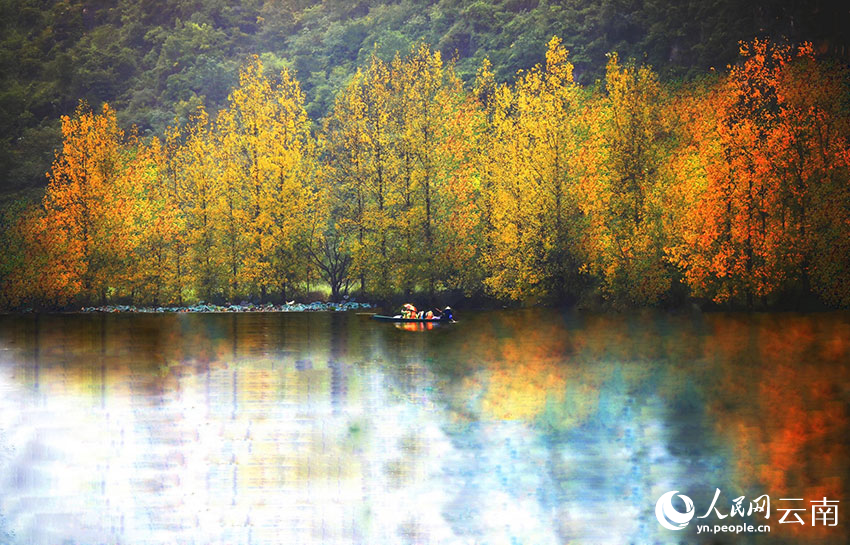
468 303
208 308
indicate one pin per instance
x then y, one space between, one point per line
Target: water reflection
510 427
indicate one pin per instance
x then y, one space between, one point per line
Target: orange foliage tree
78 238
772 153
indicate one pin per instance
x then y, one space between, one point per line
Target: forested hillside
154 61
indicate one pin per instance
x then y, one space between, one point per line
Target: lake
528 427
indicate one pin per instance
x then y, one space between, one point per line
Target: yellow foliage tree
267 157
429 99
536 222
198 189
627 195
396 141
360 173
154 224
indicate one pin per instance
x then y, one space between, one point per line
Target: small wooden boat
398 318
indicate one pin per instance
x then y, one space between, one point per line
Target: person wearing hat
408 311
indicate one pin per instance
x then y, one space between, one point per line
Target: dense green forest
155 61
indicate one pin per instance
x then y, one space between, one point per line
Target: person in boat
445 315
408 311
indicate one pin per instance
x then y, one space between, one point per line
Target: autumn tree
534 247
773 159
626 192
267 157
811 158
198 189
395 144
462 227
81 227
428 97
153 269
329 240
361 165
27 252
171 176
296 202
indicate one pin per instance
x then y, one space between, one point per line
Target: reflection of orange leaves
521 373
786 419
837 346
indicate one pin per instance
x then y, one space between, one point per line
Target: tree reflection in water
537 427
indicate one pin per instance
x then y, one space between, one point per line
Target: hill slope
154 60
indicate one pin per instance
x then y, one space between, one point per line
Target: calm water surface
511 427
